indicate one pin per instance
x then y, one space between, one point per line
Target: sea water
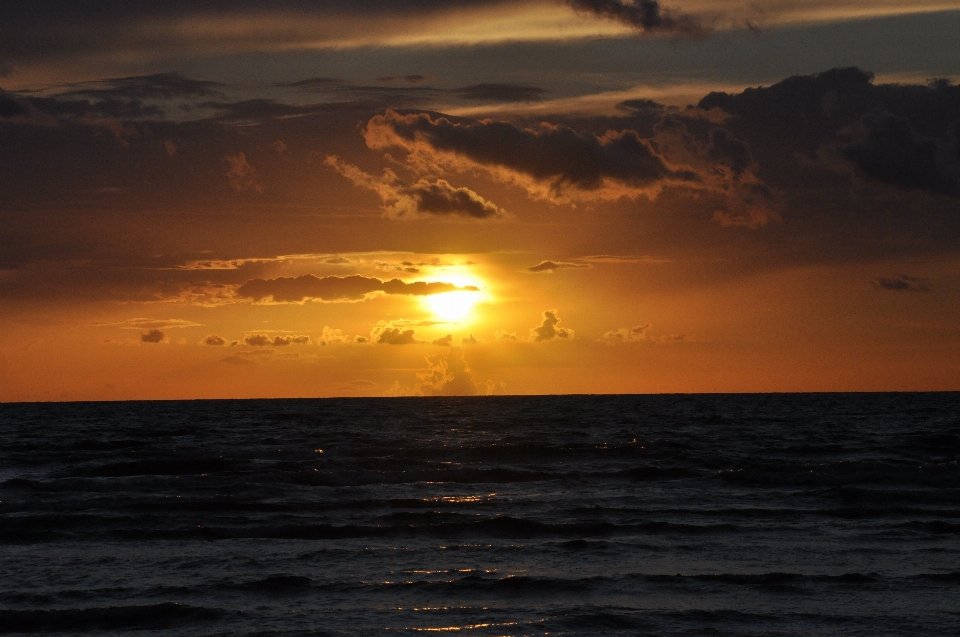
803 514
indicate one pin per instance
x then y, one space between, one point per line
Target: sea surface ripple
792 514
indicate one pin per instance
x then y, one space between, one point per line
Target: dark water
631 515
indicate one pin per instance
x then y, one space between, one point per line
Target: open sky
276 198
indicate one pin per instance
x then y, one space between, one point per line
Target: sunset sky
286 198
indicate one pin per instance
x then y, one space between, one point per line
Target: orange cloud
335 288
549 328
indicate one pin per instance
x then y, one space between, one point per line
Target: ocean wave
151 617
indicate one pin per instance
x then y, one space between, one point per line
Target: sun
452 306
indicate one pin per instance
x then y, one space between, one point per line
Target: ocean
777 514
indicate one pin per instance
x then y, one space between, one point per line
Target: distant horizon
475 396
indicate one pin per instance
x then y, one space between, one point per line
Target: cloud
469 340
213 339
558 157
647 16
291 340
635 333
550 266
262 340
891 151
897 134
640 333
447 375
640 105
503 335
422 199
113 30
333 336
548 328
10 106
335 288
444 341
159 86
151 324
500 93
242 176
902 283
153 336
385 335
409 79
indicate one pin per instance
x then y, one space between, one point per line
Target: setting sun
452 306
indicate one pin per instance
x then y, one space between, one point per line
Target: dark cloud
335 288
138 97
902 283
257 340
549 328
726 149
647 16
892 152
440 198
214 340
444 341
159 86
412 94
314 83
10 106
153 336
409 79
550 266
342 91
902 135
640 105
500 93
557 154
469 340
394 336
43 28
424 198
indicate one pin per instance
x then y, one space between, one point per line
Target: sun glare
452 306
